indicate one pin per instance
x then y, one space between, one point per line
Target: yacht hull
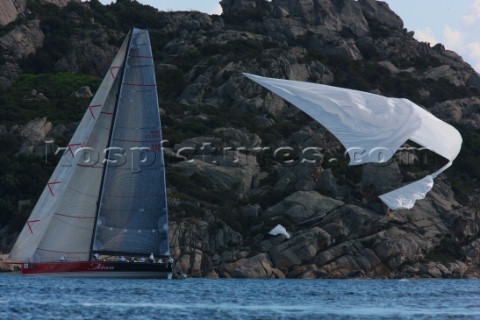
98 269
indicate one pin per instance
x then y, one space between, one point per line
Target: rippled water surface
56 298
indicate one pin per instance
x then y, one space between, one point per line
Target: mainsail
87 187
372 128
132 212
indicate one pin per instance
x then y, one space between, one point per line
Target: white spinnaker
437 136
61 224
370 125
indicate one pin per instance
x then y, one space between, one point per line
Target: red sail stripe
28 224
111 71
50 188
94 106
73 145
70 216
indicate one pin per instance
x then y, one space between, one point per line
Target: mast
100 195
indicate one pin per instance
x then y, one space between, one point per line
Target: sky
454 23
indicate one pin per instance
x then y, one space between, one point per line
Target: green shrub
60 107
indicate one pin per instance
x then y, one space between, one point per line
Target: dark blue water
56 298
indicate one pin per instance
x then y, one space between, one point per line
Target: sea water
64 298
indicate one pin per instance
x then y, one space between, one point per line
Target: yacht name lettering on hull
100 267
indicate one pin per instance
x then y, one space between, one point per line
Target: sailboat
103 213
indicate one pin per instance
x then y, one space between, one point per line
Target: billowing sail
372 127
62 221
132 216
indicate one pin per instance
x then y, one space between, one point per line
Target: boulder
395 247
83 92
35 95
229 6
17 44
353 222
36 130
194 242
461 111
233 178
383 177
258 266
91 54
5 267
381 12
239 138
389 66
303 206
22 41
300 249
333 16
455 77
10 10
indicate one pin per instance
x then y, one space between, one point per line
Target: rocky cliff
240 160
12 9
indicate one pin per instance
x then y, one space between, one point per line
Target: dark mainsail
132 211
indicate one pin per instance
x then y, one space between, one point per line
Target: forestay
372 128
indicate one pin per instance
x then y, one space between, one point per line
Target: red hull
97 269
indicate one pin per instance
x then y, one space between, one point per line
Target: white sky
454 23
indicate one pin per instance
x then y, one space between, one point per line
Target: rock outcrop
10 10
463 112
35 131
90 54
304 206
22 41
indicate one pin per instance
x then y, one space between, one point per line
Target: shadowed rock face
11 9
237 5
